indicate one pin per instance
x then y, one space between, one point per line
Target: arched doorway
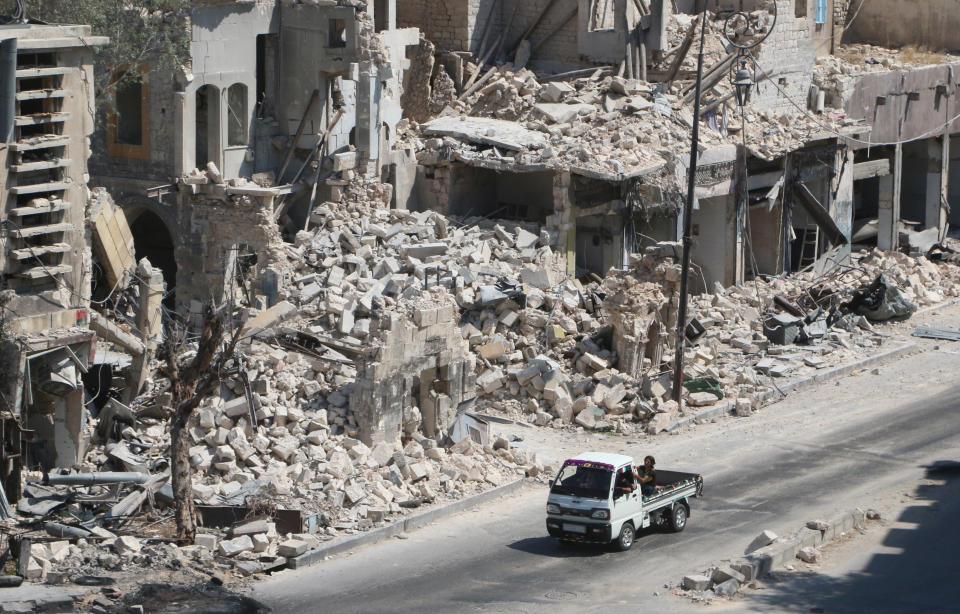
152 240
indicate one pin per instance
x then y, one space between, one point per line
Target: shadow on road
548 546
918 578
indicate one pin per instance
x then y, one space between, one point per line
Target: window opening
381 18
338 33
129 110
237 115
207 125
800 8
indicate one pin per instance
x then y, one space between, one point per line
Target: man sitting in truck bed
648 479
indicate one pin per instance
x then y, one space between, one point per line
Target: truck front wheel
678 517
626 538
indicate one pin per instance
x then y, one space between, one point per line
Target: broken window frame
238 123
117 148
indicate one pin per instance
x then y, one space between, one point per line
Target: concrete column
889 205
933 199
943 222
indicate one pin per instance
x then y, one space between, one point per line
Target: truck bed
677 485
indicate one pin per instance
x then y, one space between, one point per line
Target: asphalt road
813 454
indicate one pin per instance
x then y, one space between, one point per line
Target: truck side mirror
550 483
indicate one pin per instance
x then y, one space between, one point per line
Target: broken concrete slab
486 131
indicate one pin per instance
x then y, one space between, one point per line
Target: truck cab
595 498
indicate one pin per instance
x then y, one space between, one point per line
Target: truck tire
626 538
678 517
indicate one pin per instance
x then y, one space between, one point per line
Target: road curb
410 523
770 397
779 553
764 560
937 306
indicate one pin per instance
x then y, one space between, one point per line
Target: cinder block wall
789 55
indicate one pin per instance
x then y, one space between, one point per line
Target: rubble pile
748 336
837 74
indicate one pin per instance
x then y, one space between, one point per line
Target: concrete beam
871 169
113 333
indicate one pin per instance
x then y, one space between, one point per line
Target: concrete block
555 91
696 583
232 547
724 573
809 555
237 407
206 540
292 547
701 399
764 539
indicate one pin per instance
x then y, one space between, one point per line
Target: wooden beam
820 215
533 26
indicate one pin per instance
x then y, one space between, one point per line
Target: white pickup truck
586 501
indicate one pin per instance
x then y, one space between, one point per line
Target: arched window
237 120
208 125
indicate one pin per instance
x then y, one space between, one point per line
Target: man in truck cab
625 482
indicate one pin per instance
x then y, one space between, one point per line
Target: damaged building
429 217
47 76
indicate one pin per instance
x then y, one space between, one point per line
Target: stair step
53 186
41 250
55 205
26 167
47 94
40 142
42 118
52 71
35 231
44 271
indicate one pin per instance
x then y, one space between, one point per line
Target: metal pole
687 224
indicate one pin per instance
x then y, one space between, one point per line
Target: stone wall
420 361
788 57
210 228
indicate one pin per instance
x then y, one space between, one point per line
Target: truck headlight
553 509
601 514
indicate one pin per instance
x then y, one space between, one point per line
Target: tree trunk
181 474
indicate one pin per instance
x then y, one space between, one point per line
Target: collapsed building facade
425 214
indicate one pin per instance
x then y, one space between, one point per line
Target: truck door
626 504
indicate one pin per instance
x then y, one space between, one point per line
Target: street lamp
742 82
743 32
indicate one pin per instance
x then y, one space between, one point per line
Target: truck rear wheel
678 517
626 538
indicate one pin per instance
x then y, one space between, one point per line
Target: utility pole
687 222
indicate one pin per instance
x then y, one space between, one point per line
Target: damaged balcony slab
486 131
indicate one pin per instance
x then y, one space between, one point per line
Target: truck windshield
580 481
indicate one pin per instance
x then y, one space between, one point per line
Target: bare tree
190 384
